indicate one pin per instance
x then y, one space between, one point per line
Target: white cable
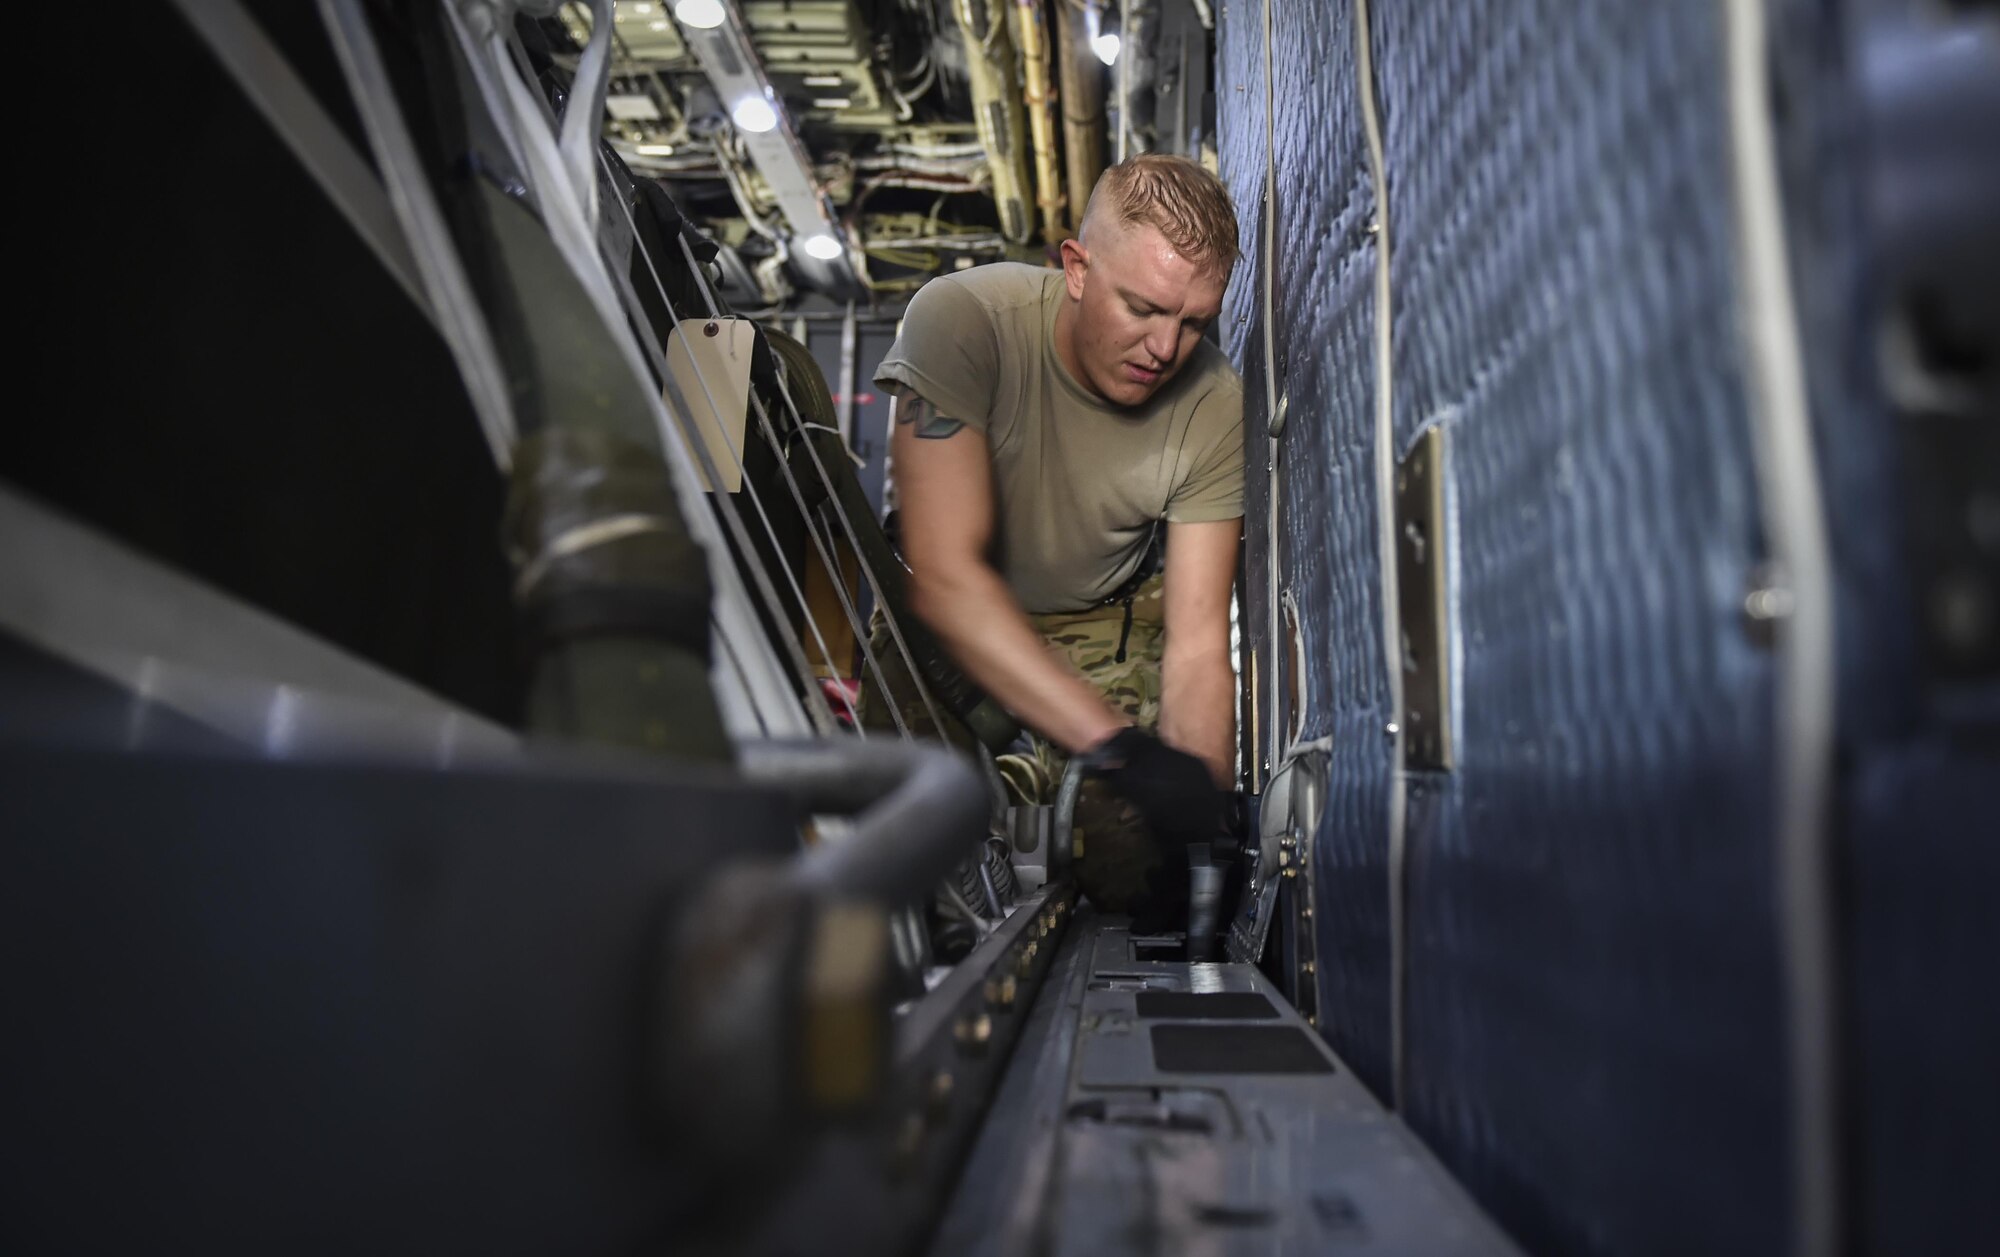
1794 529
1274 656
1385 531
583 112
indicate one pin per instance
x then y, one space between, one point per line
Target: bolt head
1001 991
974 1033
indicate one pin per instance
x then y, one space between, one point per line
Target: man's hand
1171 789
944 490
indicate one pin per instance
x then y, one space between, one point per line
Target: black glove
1170 788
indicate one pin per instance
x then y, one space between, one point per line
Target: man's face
1141 306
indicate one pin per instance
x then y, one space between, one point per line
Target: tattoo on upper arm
911 408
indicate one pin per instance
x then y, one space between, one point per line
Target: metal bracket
1422 569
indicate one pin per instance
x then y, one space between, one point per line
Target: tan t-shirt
1080 482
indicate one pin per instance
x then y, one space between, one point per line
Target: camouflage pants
1113 852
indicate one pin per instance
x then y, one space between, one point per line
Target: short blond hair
1178 197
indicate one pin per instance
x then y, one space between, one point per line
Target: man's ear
1076 264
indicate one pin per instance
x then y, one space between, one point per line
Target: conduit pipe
996 107
1082 99
1031 33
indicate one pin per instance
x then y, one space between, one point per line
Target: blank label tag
708 365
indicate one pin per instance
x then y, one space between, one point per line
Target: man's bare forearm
954 590
1198 709
977 618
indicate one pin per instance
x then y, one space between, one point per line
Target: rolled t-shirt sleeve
1213 487
948 351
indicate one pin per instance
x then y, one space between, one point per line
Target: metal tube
918 811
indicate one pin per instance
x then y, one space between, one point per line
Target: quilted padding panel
1591 948
1594 1041
1323 328
1594 1033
